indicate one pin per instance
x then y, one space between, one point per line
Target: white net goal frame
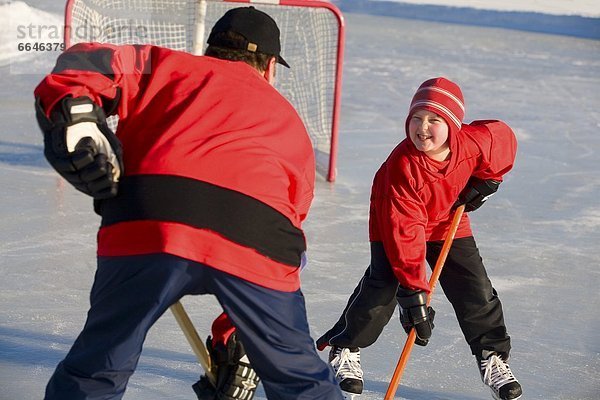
312 35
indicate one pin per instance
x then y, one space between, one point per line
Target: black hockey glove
81 147
414 313
236 379
476 193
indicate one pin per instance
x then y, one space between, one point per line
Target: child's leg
369 308
469 290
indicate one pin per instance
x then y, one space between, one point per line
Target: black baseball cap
258 28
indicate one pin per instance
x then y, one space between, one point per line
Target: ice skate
346 365
496 374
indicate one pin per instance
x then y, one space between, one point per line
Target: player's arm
80 146
498 146
89 82
402 224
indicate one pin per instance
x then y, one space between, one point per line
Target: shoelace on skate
496 373
348 364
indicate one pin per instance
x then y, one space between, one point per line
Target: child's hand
476 193
414 312
405 320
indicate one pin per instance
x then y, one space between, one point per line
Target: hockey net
312 36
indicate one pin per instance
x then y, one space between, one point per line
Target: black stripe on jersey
238 217
93 61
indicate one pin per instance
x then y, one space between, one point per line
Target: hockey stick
186 325
435 275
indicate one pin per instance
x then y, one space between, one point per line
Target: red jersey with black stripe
412 195
219 167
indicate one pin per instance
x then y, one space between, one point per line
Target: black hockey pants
465 284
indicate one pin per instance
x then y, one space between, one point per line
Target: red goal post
312 35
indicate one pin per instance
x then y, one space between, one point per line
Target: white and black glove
236 379
81 147
414 313
476 193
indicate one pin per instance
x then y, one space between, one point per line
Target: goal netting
312 36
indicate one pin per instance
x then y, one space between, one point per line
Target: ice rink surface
538 236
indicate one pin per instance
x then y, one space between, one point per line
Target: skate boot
496 374
346 365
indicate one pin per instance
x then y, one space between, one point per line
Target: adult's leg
369 308
128 295
274 330
469 290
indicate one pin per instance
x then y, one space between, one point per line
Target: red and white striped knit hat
442 97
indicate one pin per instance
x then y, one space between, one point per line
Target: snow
538 236
24 25
574 18
587 8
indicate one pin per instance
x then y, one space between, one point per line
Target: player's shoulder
486 134
480 128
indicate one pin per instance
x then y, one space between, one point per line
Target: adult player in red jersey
202 190
412 200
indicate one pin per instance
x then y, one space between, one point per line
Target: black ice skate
346 365
496 374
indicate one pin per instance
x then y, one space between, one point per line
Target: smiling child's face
429 133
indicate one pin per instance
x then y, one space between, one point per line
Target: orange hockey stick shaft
437 270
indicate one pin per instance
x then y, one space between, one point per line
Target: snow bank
555 17
582 8
22 27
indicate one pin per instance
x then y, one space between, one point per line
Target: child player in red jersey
413 198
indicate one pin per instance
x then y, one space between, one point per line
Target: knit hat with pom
443 97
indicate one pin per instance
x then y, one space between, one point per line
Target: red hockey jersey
412 195
219 168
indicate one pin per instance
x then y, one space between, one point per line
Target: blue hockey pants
130 293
